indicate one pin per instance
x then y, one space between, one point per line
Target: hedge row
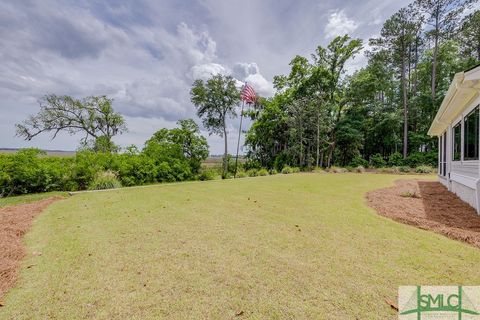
30 171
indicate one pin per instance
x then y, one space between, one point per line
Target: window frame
464 157
444 154
460 153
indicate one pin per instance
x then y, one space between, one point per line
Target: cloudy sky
146 54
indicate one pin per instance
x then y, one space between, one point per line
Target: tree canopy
216 100
94 117
381 113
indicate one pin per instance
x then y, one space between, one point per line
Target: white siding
465 193
466 168
463 177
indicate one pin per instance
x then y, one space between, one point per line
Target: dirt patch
14 223
428 205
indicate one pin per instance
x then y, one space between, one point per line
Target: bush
208 174
358 161
391 170
334 169
262 172
252 172
28 171
404 169
241 174
287 170
395 159
319 170
295 169
377 161
424 169
422 158
360 169
410 194
105 180
273 171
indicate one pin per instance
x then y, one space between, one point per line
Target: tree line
169 155
320 116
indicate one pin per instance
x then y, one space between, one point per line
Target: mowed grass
28 198
302 246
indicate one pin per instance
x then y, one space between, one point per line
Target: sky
145 54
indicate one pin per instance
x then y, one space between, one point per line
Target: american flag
248 94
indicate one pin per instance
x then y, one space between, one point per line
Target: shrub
424 169
252 172
334 169
360 169
404 169
273 171
395 159
308 169
295 169
208 174
262 172
350 169
422 158
358 161
105 180
388 170
377 161
249 164
28 171
287 170
409 194
241 174
319 170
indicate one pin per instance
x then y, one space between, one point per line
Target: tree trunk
225 154
415 68
405 111
301 149
434 63
330 155
318 139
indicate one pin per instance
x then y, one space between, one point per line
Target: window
470 136
442 159
457 142
444 153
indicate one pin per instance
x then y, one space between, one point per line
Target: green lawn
27 198
302 246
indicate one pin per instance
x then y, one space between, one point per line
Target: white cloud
250 72
205 71
146 53
339 24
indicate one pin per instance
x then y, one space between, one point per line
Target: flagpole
238 143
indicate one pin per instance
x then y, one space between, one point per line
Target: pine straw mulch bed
428 205
15 221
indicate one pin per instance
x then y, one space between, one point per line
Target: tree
469 33
442 16
92 116
216 100
330 63
187 138
397 36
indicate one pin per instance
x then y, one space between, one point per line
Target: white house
457 127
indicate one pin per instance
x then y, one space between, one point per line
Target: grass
27 198
301 246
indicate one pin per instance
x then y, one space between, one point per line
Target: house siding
465 193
